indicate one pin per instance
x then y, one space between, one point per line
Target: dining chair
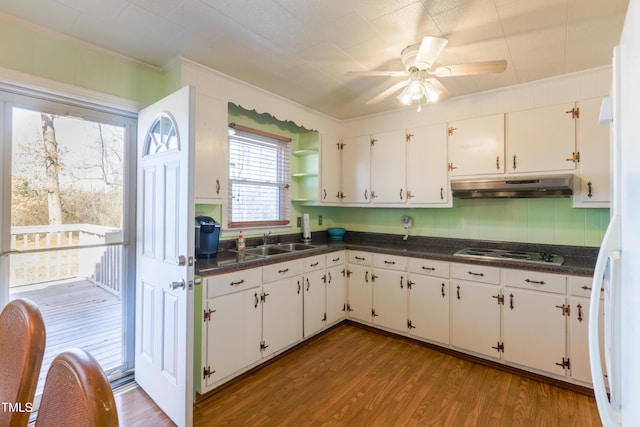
76 393
22 343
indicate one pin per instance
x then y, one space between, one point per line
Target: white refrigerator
618 266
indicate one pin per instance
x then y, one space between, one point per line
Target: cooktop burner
501 254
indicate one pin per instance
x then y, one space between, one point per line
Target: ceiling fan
418 60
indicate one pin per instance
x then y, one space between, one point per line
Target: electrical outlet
299 222
320 220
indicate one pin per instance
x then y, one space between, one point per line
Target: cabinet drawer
281 270
358 257
313 263
335 258
390 262
428 267
233 282
535 280
581 286
476 273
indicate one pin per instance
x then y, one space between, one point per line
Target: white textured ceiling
301 49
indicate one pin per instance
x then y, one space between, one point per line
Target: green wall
29 51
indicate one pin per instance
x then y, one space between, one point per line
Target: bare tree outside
52 165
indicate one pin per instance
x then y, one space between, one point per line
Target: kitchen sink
296 246
266 250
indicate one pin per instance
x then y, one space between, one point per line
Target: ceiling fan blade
396 87
487 67
378 73
429 51
442 92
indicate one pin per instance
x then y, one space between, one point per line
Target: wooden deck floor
79 314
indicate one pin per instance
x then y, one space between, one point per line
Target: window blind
259 171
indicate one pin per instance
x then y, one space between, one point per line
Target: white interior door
165 239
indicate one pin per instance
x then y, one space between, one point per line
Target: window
258 178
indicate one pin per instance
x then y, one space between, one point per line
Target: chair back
76 393
22 343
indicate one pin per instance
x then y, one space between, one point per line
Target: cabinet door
314 302
281 314
541 140
330 170
579 338
336 293
232 334
534 329
210 173
475 317
359 301
476 146
429 307
356 166
388 166
389 299
427 178
593 181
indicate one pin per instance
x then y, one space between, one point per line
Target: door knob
177 285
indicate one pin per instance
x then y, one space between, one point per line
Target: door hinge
373 141
263 296
575 113
566 363
207 314
373 313
500 298
566 309
207 372
410 325
499 347
349 272
324 317
347 307
408 136
410 284
451 130
340 145
263 346
575 157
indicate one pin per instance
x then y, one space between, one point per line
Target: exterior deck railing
53 253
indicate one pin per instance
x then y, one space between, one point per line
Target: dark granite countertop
578 260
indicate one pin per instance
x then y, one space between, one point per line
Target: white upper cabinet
476 146
330 169
427 179
211 150
542 139
356 166
388 176
592 184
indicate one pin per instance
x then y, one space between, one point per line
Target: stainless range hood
514 187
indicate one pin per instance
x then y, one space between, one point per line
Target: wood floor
354 377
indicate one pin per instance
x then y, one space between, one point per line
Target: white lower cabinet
428 287
281 306
336 287
534 320
475 309
389 290
359 299
313 283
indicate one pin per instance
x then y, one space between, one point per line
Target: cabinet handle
590 186
441 193
366 276
429 268
536 282
335 259
442 290
314 264
324 194
389 262
359 258
458 292
401 282
497 162
299 287
329 273
283 271
217 186
401 198
579 312
511 301
308 284
255 295
366 194
514 162
239 282
475 274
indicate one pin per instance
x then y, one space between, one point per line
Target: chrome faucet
265 237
